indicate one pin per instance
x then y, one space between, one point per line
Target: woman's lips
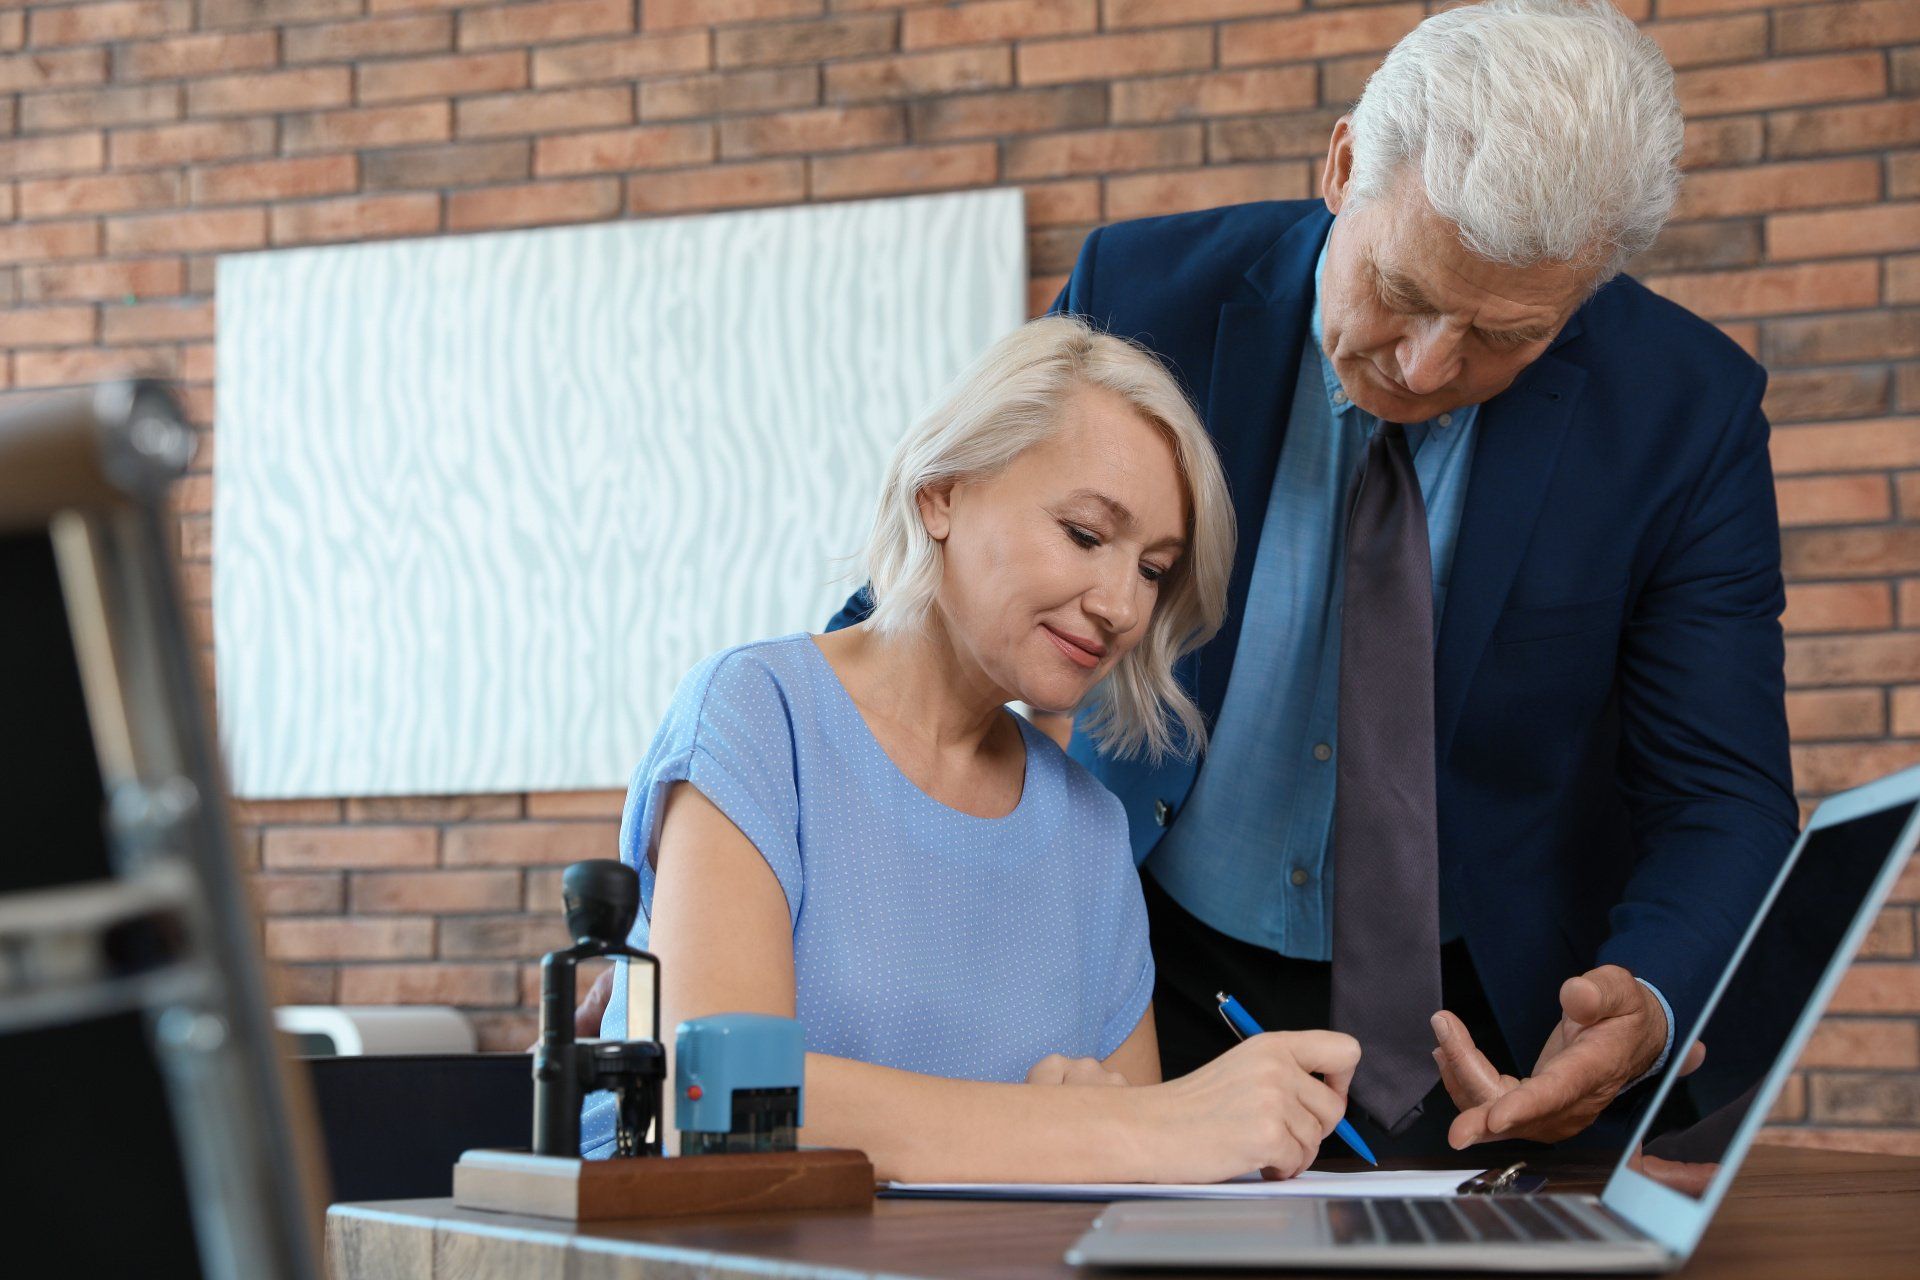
1082 658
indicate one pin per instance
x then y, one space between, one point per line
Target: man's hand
1611 1031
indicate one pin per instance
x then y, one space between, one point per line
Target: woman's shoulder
745 685
1086 796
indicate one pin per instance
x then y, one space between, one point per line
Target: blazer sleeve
1704 763
1073 299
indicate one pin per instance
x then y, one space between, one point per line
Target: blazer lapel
1521 431
1256 360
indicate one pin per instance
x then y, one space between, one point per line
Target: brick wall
141 138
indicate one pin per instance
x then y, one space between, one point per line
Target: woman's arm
721 928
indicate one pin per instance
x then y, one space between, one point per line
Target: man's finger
1469 1127
1695 1056
1470 1077
1606 992
1539 1096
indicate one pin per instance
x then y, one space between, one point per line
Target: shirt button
1339 397
1322 752
1299 876
1445 419
1162 813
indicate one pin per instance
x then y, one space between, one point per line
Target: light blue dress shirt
1255 861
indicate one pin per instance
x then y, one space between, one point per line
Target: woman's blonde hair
1009 400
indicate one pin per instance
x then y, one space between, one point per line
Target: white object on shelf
364 1029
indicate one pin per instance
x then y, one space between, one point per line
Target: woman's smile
1082 653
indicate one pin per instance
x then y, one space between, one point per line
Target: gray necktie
1386 901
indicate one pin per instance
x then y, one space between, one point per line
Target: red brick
53 153
1295 135
1123 14
363 128
295 984
1113 56
101 23
1851 553
1781 82
994 115
1827 393
436 892
1711 40
502 937
1837 606
1766 188
431 808
1818 500
1847 446
1721 140
1149 194
275 180
167 321
247 13
356 218
1906 711
1791 1105
1826 714
13 30
136 278
262 93
661 14
1767 291
1908 487
200 231
1254 91
459 165
1903 279
1103 151
917 75
1318 35
995 21
1858 659
195 55
730 186
1693 8
75 367
821 129
620 150
1891 937
530 843
1908 604
826 39
370 37
357 846
418 78
543 22
1843 339
1860 25
1699 246
1342 79
1866 1099
1885 1044
1823 768
456 984
638 58
543 112
105 193
876 173
576 804
1871 126
729 93
284 812
294 893
1844 233
189 143
46 327
534 204
44 70
40 242
95 108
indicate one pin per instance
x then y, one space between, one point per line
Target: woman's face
1052 566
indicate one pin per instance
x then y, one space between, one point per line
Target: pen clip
1221 1008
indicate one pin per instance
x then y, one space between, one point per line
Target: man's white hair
1546 130
1010 400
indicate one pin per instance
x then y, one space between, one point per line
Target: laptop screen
1794 944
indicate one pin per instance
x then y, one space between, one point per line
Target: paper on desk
1371 1182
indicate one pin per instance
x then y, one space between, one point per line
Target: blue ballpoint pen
1243 1026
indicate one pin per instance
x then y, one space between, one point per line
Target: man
1497 714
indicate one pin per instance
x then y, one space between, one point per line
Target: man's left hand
1611 1031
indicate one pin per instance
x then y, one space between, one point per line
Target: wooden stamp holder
662 1186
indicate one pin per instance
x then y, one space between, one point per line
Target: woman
854 829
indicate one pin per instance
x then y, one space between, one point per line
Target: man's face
1414 323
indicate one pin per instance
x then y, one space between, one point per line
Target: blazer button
1162 814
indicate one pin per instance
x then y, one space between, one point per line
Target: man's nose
1429 358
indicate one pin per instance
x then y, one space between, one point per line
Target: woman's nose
1115 604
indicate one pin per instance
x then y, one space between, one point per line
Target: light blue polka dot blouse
923 938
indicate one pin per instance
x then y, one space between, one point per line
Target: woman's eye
1152 573
1081 536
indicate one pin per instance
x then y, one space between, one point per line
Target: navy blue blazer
1613 776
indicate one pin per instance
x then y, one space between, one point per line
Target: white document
1371 1182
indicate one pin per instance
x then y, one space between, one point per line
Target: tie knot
1389 430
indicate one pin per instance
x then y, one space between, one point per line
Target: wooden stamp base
661 1186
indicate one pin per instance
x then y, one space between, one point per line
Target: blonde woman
854 830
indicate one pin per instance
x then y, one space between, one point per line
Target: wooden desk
1792 1213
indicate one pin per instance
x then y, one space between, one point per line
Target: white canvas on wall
481 501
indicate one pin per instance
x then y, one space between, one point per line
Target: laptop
1649 1218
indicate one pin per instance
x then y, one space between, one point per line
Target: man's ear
936 510
1338 172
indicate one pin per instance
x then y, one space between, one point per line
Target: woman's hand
1256 1106
1058 1069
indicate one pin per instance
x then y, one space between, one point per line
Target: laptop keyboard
1466 1220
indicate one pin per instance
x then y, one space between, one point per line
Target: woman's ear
936 510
